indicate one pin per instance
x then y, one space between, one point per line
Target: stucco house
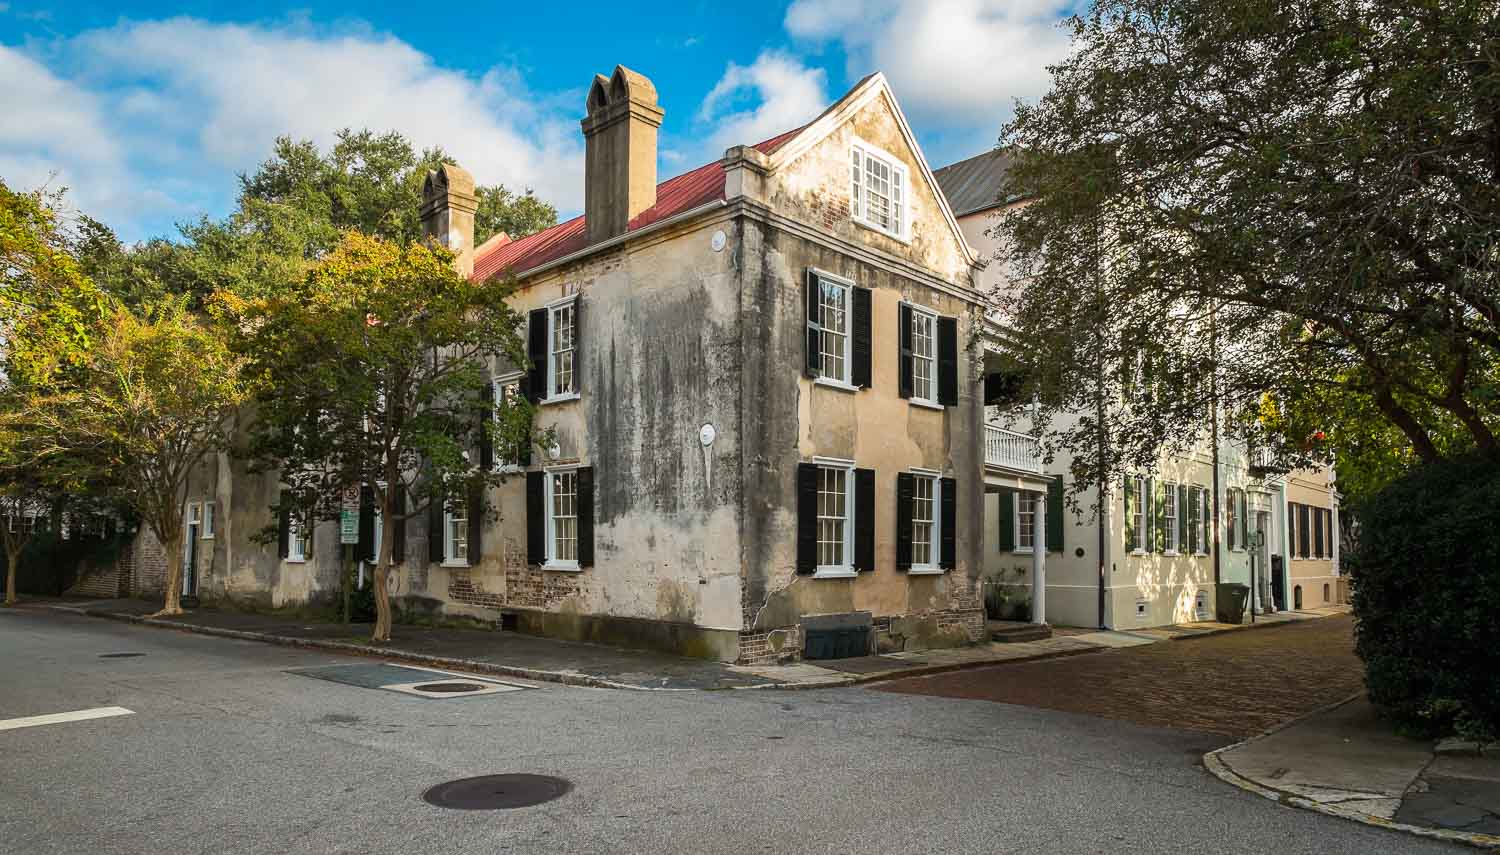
1164 539
764 376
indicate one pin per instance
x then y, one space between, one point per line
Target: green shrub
1426 580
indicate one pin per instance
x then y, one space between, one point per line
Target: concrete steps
1013 632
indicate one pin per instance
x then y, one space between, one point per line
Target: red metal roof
673 196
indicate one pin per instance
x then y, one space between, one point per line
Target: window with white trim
456 535
833 321
562 518
1025 522
298 538
924 356
877 196
925 545
207 530
1169 517
561 341
507 392
1138 514
835 520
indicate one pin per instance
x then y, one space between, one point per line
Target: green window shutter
1055 512
1007 521
1130 501
1148 518
1244 520
1182 519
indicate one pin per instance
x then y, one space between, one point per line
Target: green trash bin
1229 602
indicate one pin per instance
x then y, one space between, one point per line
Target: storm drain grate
119 655
497 792
450 688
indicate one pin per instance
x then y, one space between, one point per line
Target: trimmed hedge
1426 579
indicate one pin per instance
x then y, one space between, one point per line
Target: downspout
1103 506
1213 416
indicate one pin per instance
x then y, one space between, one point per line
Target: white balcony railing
1011 450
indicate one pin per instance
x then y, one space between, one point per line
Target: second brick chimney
619 177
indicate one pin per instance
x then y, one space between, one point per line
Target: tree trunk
1399 416
382 631
173 601
13 559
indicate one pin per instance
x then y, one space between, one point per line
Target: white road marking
60 718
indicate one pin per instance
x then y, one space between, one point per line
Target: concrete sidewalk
1345 761
532 657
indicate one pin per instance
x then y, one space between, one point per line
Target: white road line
59 718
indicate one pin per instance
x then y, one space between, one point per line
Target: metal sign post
1256 538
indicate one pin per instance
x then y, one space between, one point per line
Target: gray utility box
1229 602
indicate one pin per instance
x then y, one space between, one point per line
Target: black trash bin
1229 602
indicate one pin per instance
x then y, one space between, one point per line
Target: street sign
349 516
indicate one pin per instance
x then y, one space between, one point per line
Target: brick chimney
619 176
448 206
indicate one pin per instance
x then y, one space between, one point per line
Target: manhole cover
497 792
450 688
119 655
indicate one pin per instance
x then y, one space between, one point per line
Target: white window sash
1021 500
846 567
552 353
918 318
548 493
862 189
934 563
846 352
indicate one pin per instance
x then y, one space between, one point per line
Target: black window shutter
949 503
536 352
109 528
1131 500
906 490
947 330
586 517
486 417
1055 514
284 532
861 344
1007 521
395 527
475 513
365 549
864 519
1208 521
814 331
578 345
1318 534
536 518
905 365
435 527
1244 520
807 517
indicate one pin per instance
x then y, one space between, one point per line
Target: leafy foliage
1225 200
1426 579
500 210
370 370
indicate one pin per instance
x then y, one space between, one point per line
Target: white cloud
176 107
953 62
755 102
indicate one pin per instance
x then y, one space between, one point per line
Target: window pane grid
562 349
565 516
922 351
833 319
1025 521
1169 517
921 521
832 516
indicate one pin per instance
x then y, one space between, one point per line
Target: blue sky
146 112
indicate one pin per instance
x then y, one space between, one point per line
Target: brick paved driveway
1235 684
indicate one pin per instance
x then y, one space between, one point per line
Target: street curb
1221 769
563 677
1249 626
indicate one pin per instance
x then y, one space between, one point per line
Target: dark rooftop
975 184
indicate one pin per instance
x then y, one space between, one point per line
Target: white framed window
562 341
298 539
1169 518
206 531
1138 514
456 536
195 516
561 499
1025 522
834 355
507 390
835 520
924 356
877 194
926 524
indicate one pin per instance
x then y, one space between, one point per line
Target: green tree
500 210
1225 200
370 371
157 391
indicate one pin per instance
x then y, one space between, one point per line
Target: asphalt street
227 751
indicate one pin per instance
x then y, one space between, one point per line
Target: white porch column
1039 560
